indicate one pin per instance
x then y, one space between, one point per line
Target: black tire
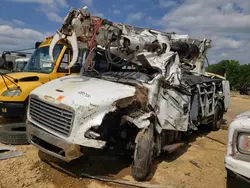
14 134
143 154
218 117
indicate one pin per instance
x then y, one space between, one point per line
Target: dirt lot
176 170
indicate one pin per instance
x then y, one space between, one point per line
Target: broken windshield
103 69
40 60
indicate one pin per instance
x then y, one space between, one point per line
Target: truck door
173 109
173 104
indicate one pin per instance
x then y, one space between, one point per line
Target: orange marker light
60 98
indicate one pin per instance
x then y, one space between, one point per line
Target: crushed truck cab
15 87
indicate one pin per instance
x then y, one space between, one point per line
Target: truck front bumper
239 167
51 144
12 109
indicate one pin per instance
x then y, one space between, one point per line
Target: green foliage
237 74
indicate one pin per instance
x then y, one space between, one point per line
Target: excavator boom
84 31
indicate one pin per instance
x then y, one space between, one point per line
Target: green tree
236 74
233 73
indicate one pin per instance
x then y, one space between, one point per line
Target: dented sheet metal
89 107
159 61
194 112
174 108
141 121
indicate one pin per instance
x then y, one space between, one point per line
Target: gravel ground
200 164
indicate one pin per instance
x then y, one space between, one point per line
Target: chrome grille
51 117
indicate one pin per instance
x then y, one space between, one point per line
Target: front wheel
218 117
143 154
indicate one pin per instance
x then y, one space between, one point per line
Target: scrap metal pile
142 46
173 57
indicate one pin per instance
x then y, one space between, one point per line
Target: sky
225 22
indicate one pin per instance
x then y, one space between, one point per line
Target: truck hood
90 99
78 91
241 121
23 77
22 80
240 124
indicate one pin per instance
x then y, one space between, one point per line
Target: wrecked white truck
140 90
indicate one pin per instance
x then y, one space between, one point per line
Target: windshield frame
102 65
29 67
130 73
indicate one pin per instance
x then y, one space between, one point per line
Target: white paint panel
226 91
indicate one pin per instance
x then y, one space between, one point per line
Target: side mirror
37 44
76 68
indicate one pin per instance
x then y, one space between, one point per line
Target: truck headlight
12 92
244 143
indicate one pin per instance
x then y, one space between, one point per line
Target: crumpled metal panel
141 121
90 98
173 110
226 89
159 61
194 108
9 152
